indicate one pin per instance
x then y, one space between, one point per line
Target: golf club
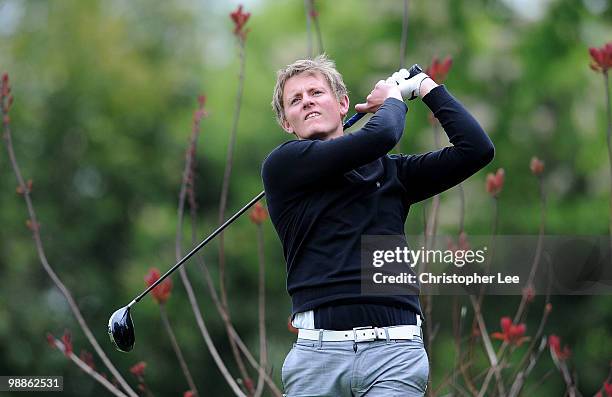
120 325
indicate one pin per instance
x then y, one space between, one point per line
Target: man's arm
302 162
425 175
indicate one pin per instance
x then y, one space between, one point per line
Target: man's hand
410 87
382 90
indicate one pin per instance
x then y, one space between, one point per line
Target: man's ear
287 127
344 105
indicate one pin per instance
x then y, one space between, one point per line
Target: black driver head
121 330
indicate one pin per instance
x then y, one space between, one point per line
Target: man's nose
307 101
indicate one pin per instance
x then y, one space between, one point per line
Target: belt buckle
361 335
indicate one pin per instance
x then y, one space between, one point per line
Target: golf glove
409 86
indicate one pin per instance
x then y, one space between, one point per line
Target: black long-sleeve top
324 195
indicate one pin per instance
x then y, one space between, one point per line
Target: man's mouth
312 115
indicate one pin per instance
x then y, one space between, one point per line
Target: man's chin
317 134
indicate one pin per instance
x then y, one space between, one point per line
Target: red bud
258 214
51 340
138 369
601 57
201 100
536 166
67 341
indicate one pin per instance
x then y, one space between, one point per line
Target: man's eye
294 101
318 92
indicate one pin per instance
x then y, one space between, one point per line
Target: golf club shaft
199 246
354 118
346 125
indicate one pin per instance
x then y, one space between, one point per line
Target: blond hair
319 64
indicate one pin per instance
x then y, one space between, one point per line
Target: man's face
311 108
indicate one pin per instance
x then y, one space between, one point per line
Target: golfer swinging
324 191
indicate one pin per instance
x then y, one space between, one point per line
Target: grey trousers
370 369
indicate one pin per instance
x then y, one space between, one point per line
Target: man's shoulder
277 158
284 151
283 147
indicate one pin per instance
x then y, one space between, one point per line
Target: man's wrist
427 84
395 93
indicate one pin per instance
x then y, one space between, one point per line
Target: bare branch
88 370
177 349
263 348
34 226
222 206
488 347
189 158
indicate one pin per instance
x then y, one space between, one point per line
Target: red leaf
506 323
258 214
495 182
51 340
138 369
511 333
67 341
602 58
490 183
438 71
517 331
240 19
608 389
248 383
201 100
529 293
536 166
161 293
554 342
87 358
596 55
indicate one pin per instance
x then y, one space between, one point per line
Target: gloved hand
409 81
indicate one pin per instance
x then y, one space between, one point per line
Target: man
325 190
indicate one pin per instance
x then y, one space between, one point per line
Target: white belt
362 334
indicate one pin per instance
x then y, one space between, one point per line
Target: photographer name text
430 278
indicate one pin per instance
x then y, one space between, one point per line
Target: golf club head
121 330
